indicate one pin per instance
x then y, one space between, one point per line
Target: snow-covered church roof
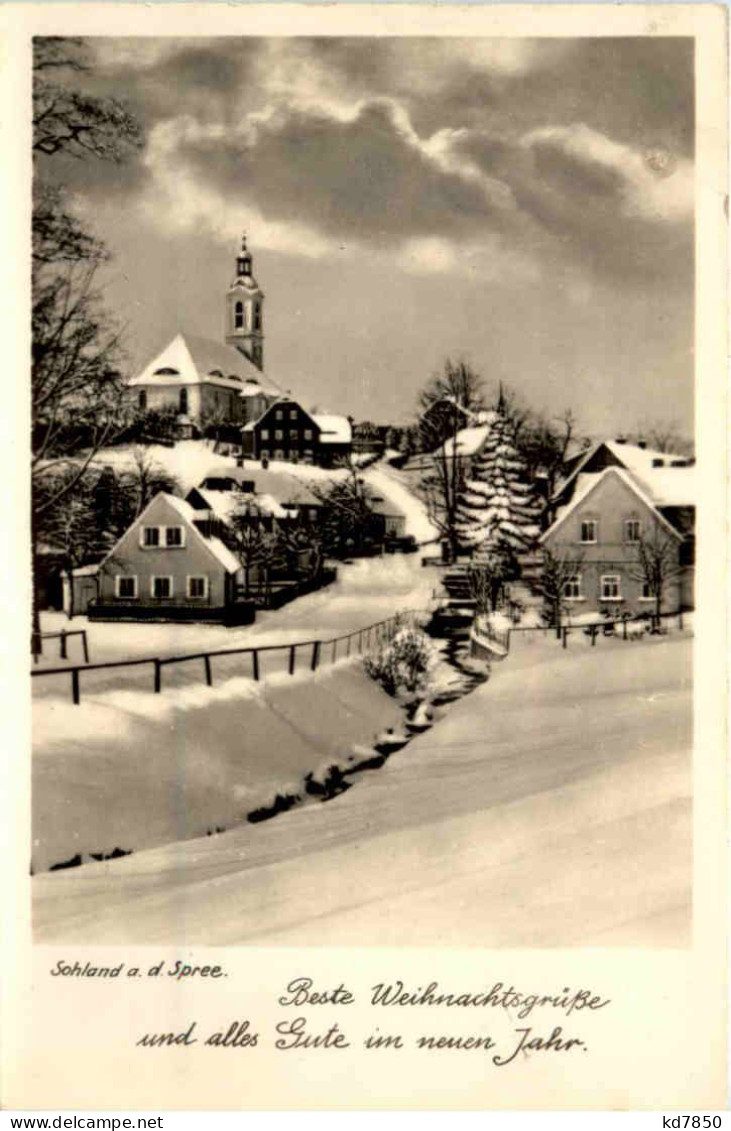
192 360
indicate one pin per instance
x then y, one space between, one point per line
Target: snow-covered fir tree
498 510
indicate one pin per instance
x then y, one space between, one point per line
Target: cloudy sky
526 204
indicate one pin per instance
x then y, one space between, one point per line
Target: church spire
244 310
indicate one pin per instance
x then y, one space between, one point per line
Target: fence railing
62 637
311 653
593 629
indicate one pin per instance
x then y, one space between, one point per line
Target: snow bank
132 770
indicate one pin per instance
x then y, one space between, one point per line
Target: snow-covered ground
367 590
551 807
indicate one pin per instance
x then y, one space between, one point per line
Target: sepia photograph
365 663
363 490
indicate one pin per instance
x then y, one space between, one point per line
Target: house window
308 434
239 316
279 454
198 587
174 536
161 587
279 414
610 587
588 530
265 453
632 530
150 536
184 401
293 414
308 455
279 434
265 433
572 588
647 593
125 586
142 399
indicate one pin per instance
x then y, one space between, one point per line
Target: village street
566 824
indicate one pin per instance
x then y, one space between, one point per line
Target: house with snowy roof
168 566
618 516
204 380
286 431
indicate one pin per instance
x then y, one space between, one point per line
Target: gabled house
610 516
165 567
286 431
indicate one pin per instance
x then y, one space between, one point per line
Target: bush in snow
403 665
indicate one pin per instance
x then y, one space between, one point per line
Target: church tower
244 311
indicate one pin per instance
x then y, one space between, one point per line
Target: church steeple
244 310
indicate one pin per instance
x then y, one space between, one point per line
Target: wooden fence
308 653
62 637
593 629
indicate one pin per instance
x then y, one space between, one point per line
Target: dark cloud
359 179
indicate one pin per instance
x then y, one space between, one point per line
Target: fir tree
498 511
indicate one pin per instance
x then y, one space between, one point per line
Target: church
210 382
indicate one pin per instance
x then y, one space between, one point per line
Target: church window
142 399
257 316
167 371
183 400
239 316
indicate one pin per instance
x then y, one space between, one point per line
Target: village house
206 381
614 518
286 431
165 567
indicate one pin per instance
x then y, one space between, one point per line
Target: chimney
658 463
642 444
621 440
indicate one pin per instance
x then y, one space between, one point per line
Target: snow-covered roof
670 486
333 429
638 460
188 513
193 360
590 482
279 485
468 441
224 504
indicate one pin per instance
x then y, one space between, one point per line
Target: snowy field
551 807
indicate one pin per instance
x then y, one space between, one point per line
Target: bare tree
557 571
254 546
447 403
663 436
77 391
71 528
142 481
658 563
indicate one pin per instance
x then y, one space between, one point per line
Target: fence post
207 666
75 690
64 650
594 634
624 629
680 618
158 674
85 646
315 655
347 651
564 636
255 662
292 659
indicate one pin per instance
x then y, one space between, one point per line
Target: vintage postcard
369 366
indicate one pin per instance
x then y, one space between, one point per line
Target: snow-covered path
550 808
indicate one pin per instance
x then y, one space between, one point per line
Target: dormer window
215 373
166 371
